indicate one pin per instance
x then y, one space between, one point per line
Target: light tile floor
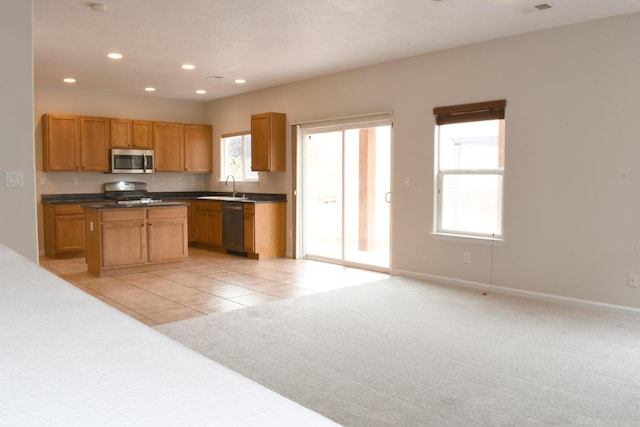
208 282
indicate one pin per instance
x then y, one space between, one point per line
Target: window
235 157
470 147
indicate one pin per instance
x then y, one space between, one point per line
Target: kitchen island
119 237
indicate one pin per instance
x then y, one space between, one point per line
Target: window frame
246 168
491 110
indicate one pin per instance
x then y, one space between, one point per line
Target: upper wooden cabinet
72 143
120 133
182 147
94 144
168 143
268 142
197 148
76 143
142 134
126 133
60 143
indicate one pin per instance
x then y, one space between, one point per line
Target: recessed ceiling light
150 89
240 81
69 80
201 91
188 66
114 55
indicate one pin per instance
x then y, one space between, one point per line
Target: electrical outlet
633 280
467 258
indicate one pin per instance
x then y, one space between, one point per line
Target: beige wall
17 205
572 181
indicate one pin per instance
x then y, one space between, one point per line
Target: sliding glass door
346 193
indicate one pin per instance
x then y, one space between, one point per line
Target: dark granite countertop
167 196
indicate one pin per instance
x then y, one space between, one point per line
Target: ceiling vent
537 8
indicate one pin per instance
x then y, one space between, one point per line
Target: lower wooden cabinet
207 221
264 229
63 229
129 237
123 239
167 234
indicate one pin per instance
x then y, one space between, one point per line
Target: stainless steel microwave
131 161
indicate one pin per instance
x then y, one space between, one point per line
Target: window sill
469 238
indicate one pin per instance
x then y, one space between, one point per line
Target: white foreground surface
68 359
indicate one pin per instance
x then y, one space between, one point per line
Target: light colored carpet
403 352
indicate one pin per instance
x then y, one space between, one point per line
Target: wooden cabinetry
94 144
182 147
197 148
60 143
131 237
167 234
142 134
168 140
75 143
207 218
63 229
120 133
264 229
123 238
268 142
135 134
71 143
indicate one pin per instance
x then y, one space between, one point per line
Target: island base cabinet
167 234
123 244
122 238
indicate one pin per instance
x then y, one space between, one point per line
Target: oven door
131 161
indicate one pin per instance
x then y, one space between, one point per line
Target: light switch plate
14 179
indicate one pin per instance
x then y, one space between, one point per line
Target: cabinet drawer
71 209
168 212
212 206
122 215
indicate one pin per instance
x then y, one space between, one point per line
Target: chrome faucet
234 183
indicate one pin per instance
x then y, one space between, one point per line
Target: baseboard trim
485 287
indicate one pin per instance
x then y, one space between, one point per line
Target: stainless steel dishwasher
232 228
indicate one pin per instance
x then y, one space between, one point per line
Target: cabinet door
268 142
249 231
260 142
167 239
60 143
168 143
94 144
123 243
216 228
197 148
120 133
142 134
208 223
69 233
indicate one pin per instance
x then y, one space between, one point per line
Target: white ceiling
267 42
